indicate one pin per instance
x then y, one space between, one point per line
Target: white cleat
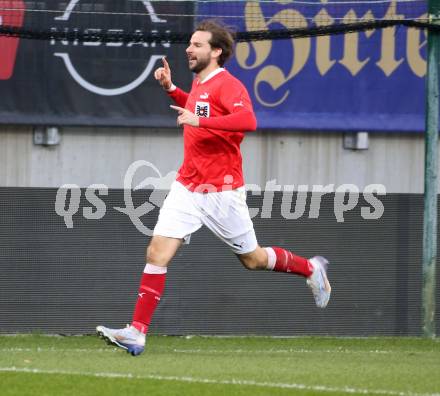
318 281
128 338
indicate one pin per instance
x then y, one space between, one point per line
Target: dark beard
200 65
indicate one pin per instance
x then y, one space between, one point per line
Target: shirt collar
212 74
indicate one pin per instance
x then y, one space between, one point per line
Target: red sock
281 260
150 291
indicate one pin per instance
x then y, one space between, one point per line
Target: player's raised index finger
177 108
165 64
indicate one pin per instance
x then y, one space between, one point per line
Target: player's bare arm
163 75
186 117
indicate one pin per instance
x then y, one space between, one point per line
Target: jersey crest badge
202 109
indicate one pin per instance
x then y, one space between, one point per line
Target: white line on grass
178 350
52 349
318 388
291 350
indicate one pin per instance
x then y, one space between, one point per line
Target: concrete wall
102 155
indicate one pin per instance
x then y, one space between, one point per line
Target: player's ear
217 52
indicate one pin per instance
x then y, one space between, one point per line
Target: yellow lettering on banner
254 19
387 61
254 54
270 74
413 46
351 46
368 16
323 60
273 75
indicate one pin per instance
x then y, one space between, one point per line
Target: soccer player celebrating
209 188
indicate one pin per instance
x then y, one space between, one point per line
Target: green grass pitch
85 365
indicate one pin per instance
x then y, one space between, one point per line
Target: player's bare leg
132 338
280 260
161 250
256 260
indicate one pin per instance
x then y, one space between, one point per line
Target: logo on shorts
11 15
202 109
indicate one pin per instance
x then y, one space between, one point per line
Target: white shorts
225 213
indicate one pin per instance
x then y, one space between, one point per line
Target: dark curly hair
222 37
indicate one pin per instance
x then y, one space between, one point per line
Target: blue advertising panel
372 80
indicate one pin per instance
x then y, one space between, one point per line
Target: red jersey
212 151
